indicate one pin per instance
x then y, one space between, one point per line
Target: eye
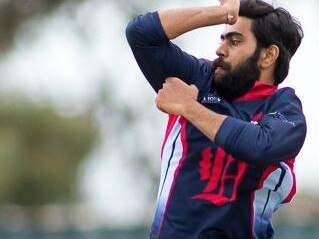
234 42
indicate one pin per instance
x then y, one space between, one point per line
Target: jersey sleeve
278 136
159 58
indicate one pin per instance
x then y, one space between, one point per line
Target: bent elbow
259 156
268 154
131 32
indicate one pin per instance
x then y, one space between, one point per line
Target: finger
159 105
168 79
157 102
194 86
163 86
167 85
171 80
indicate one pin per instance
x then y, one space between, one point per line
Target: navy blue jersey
228 188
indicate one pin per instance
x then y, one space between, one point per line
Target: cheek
234 60
239 60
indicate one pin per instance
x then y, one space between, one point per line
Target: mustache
219 62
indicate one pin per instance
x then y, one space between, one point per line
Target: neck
267 76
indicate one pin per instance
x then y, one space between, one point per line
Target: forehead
242 28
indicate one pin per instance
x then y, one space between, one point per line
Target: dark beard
237 82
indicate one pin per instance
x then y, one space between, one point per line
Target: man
232 135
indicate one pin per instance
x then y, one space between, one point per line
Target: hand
175 96
232 7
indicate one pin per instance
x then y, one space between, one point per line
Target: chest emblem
211 99
223 175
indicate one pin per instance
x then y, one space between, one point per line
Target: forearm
178 21
262 145
205 120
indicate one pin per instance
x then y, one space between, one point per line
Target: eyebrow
230 34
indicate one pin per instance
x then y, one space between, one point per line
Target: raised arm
179 21
158 58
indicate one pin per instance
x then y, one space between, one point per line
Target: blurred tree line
15 13
40 148
40 151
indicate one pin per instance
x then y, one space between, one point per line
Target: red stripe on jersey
290 163
170 124
266 173
182 121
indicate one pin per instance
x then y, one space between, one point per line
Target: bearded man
232 135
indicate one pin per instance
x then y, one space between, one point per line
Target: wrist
189 109
225 14
229 18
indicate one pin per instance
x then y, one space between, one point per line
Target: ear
268 56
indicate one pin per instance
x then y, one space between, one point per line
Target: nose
222 50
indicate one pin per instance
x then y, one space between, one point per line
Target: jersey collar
259 91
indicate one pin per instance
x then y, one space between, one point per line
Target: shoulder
286 94
285 99
286 91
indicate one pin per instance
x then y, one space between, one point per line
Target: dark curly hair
274 26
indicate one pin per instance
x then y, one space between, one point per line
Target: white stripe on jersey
171 158
267 201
